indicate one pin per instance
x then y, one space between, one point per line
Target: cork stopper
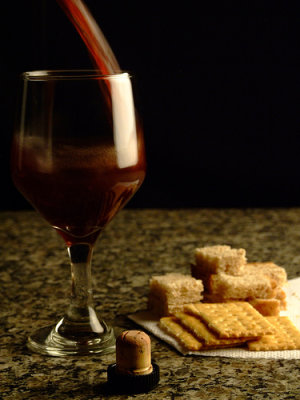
133 371
133 353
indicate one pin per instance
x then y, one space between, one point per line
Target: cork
133 353
133 371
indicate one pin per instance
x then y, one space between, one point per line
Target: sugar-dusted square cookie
170 292
219 258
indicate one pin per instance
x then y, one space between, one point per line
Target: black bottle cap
122 383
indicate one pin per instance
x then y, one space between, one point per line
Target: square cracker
286 336
232 320
203 334
171 326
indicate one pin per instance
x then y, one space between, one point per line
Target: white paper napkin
147 321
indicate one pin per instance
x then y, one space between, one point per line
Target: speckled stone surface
35 282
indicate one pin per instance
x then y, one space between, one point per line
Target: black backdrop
218 95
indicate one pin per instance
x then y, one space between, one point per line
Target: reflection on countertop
35 282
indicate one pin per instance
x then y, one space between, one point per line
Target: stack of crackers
206 326
219 312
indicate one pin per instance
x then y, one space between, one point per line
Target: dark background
218 93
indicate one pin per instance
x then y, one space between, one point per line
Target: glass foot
50 341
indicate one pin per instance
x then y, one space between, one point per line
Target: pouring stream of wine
102 54
124 115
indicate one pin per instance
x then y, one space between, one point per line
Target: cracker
232 320
171 326
286 336
203 334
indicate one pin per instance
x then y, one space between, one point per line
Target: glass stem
81 287
81 316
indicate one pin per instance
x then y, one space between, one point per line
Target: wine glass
77 157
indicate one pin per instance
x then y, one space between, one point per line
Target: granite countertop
35 283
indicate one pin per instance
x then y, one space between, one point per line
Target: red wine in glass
80 188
